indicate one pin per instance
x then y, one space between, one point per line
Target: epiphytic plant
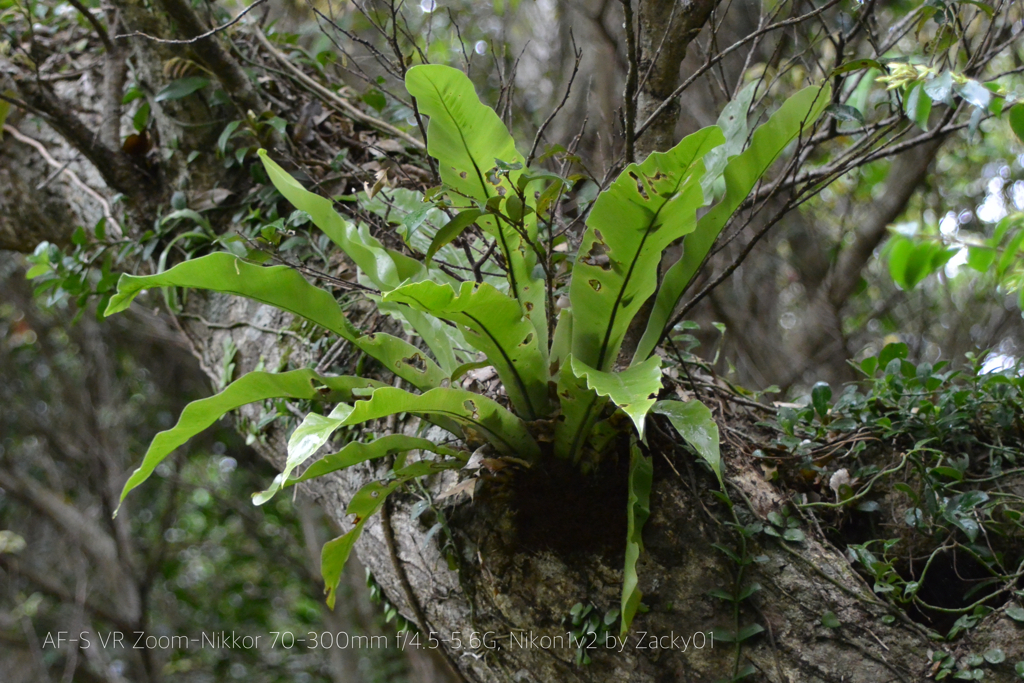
489 276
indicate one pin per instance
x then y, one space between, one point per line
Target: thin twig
196 39
116 232
332 99
629 102
568 88
721 55
91 18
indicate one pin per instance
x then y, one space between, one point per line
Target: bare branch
214 56
334 100
720 56
629 99
194 39
91 18
117 169
113 225
565 98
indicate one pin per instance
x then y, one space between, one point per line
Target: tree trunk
667 27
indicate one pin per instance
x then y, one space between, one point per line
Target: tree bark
667 27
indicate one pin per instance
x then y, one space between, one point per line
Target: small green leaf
821 394
748 590
333 558
141 118
857 65
375 98
225 135
980 258
830 620
694 422
950 472
1019 668
722 594
38 270
940 88
918 106
999 101
794 535
900 251
995 656
844 112
1015 612
891 352
451 230
748 632
278 124
183 87
975 93
1016 117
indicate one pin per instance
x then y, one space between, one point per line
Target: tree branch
117 169
214 56
660 55
190 41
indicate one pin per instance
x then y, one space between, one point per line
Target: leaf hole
641 190
597 256
416 361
